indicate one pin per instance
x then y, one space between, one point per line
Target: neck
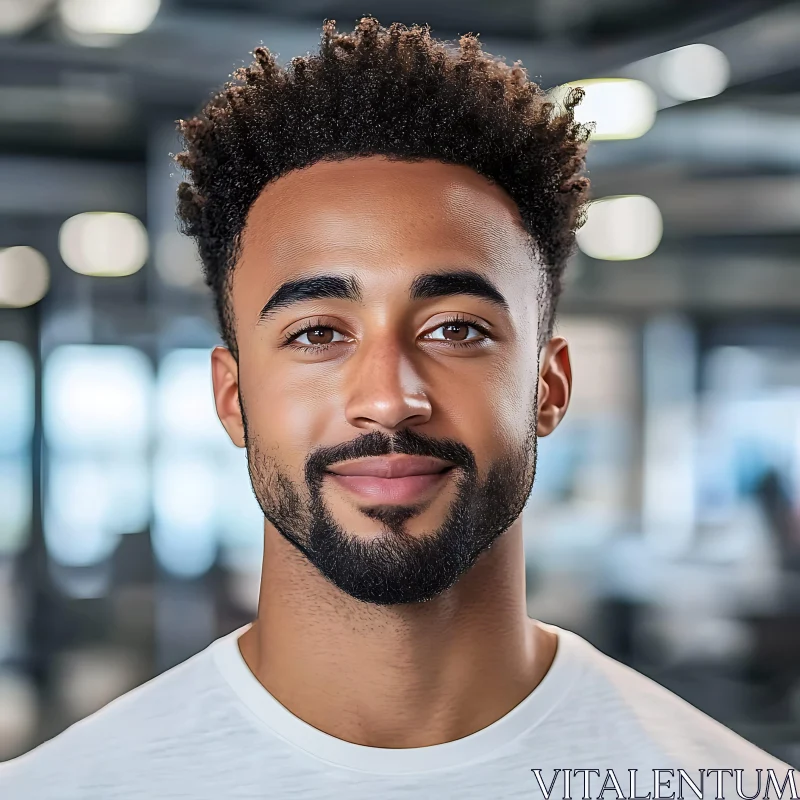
397 676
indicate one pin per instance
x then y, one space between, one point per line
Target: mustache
377 443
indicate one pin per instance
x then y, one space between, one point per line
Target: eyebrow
423 287
446 284
311 288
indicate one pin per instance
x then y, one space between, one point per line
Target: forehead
375 214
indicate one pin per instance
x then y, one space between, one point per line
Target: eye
457 331
317 336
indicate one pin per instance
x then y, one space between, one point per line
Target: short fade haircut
395 92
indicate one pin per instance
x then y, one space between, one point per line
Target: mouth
402 479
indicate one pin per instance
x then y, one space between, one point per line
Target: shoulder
628 700
142 728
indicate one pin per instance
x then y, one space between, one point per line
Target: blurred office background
665 522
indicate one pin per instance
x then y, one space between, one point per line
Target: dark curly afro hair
396 92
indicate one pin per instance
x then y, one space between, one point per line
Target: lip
401 479
391 490
392 467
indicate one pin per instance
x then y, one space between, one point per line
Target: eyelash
458 319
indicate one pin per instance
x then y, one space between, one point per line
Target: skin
398 675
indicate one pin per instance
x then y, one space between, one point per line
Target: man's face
385 309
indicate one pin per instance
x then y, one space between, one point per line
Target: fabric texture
208 729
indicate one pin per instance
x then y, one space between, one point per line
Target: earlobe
555 385
225 379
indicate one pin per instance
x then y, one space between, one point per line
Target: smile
396 479
391 490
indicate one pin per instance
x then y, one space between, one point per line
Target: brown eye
455 332
458 332
317 336
320 335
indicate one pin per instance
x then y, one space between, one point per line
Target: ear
555 385
225 378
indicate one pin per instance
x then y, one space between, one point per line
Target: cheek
491 414
291 416
512 391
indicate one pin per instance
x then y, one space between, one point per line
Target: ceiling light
24 277
694 72
621 228
108 16
619 108
17 16
101 243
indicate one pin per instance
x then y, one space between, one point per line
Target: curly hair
396 92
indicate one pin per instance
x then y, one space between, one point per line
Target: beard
396 567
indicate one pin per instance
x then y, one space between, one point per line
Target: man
384 226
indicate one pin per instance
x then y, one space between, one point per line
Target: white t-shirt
207 729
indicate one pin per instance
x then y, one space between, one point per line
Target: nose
384 389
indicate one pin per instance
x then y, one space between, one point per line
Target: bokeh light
17 16
98 398
185 400
24 276
185 490
618 108
16 433
694 72
103 244
177 261
16 398
621 228
108 16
